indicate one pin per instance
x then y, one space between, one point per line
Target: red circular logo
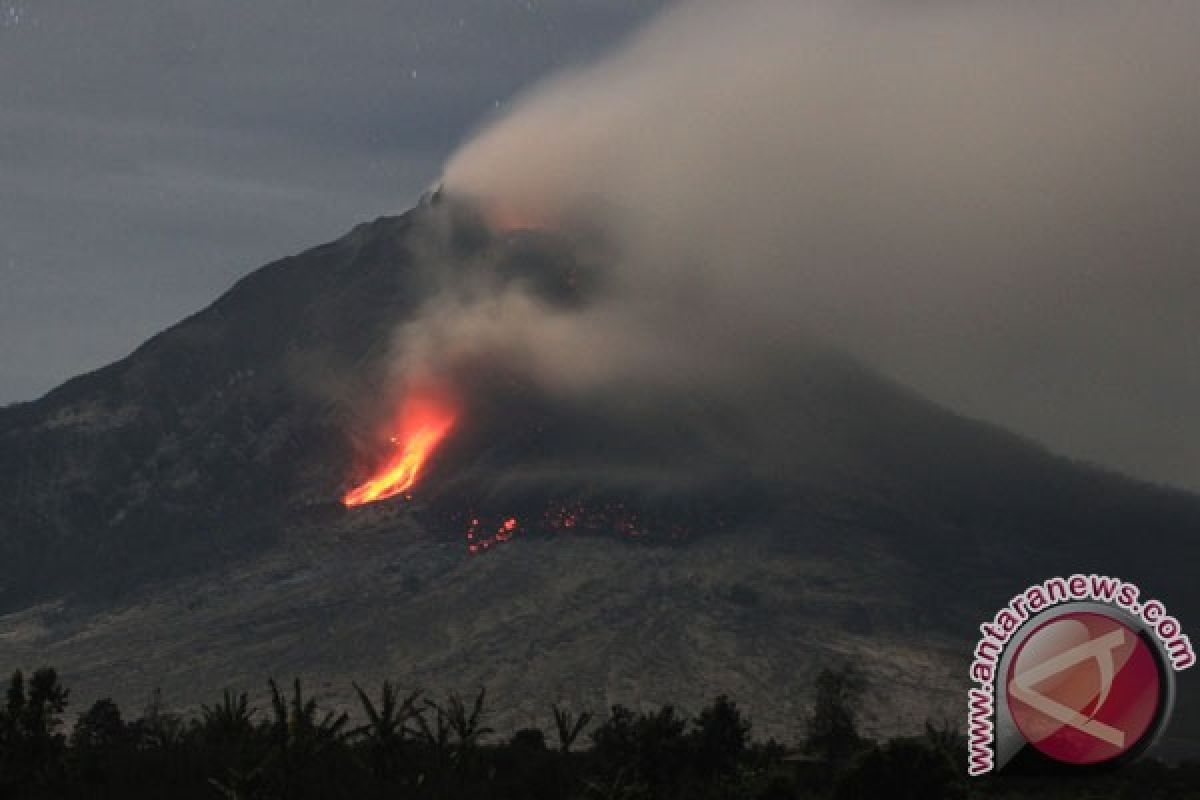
1084 688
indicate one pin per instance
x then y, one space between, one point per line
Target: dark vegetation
410 745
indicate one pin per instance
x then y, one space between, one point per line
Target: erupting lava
424 422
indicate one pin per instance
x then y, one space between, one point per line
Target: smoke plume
997 203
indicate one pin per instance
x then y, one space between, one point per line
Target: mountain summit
175 519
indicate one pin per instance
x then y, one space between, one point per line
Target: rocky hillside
173 518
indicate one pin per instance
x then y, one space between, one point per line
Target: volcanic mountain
174 519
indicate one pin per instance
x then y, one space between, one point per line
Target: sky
154 151
998 204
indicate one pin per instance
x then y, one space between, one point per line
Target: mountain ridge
220 446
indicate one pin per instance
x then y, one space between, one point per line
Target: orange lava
424 422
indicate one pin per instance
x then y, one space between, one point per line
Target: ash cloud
994 203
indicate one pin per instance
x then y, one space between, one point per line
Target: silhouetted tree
300 738
528 740
649 748
437 734
98 743
227 729
31 746
386 727
296 726
230 721
100 727
947 739
299 751
159 728
467 726
833 726
719 738
568 726
39 716
903 769
615 740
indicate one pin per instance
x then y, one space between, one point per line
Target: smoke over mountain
994 202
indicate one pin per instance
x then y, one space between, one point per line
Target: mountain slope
197 481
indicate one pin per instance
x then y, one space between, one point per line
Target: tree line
411 745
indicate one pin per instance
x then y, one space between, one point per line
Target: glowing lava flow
424 423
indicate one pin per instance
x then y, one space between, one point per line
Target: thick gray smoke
997 203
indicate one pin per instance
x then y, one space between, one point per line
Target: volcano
176 519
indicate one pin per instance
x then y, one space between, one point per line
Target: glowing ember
506 217
424 422
484 532
478 538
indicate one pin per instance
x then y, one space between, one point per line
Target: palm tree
230 720
238 785
298 726
386 727
568 726
299 736
436 736
466 726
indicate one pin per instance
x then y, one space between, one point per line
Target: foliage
413 747
904 769
833 725
31 746
568 726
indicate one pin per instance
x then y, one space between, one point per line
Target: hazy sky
153 151
996 203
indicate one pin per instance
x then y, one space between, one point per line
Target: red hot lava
425 420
